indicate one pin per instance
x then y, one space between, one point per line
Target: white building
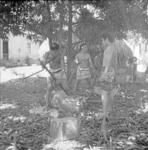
18 48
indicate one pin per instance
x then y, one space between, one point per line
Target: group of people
85 69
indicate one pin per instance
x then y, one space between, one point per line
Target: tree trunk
60 7
60 35
50 28
69 41
122 8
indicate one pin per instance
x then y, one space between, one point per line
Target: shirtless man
53 59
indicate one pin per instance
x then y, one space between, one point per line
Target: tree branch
76 43
74 11
50 20
76 23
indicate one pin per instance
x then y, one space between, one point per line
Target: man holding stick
55 66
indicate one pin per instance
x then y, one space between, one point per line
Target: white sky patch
89 7
96 12
38 18
7 106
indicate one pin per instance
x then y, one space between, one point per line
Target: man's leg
49 92
75 85
105 102
64 84
62 80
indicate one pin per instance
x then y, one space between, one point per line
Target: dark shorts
107 86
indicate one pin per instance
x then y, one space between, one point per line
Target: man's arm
77 59
90 61
107 58
63 54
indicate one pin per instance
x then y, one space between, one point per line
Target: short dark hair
83 44
108 36
54 46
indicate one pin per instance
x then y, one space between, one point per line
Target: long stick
33 74
44 66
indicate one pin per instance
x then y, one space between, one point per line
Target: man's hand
103 77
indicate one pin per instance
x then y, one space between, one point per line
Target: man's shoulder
87 54
78 55
110 48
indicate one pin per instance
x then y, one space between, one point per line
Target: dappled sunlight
11 147
8 74
143 90
90 115
66 145
35 114
20 118
7 106
38 110
126 142
143 109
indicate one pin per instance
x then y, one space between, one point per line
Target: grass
127 127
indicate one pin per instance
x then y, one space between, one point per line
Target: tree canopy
89 18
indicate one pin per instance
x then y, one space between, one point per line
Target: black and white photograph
74 75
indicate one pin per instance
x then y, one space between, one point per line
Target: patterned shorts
60 75
83 73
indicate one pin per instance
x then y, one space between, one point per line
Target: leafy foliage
41 17
116 17
13 17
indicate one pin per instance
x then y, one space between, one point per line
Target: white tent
117 55
44 47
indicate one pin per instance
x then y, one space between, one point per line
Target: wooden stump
68 105
64 128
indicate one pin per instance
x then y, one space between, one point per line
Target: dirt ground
127 126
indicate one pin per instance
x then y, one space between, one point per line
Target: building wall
20 48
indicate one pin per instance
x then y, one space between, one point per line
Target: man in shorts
55 63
